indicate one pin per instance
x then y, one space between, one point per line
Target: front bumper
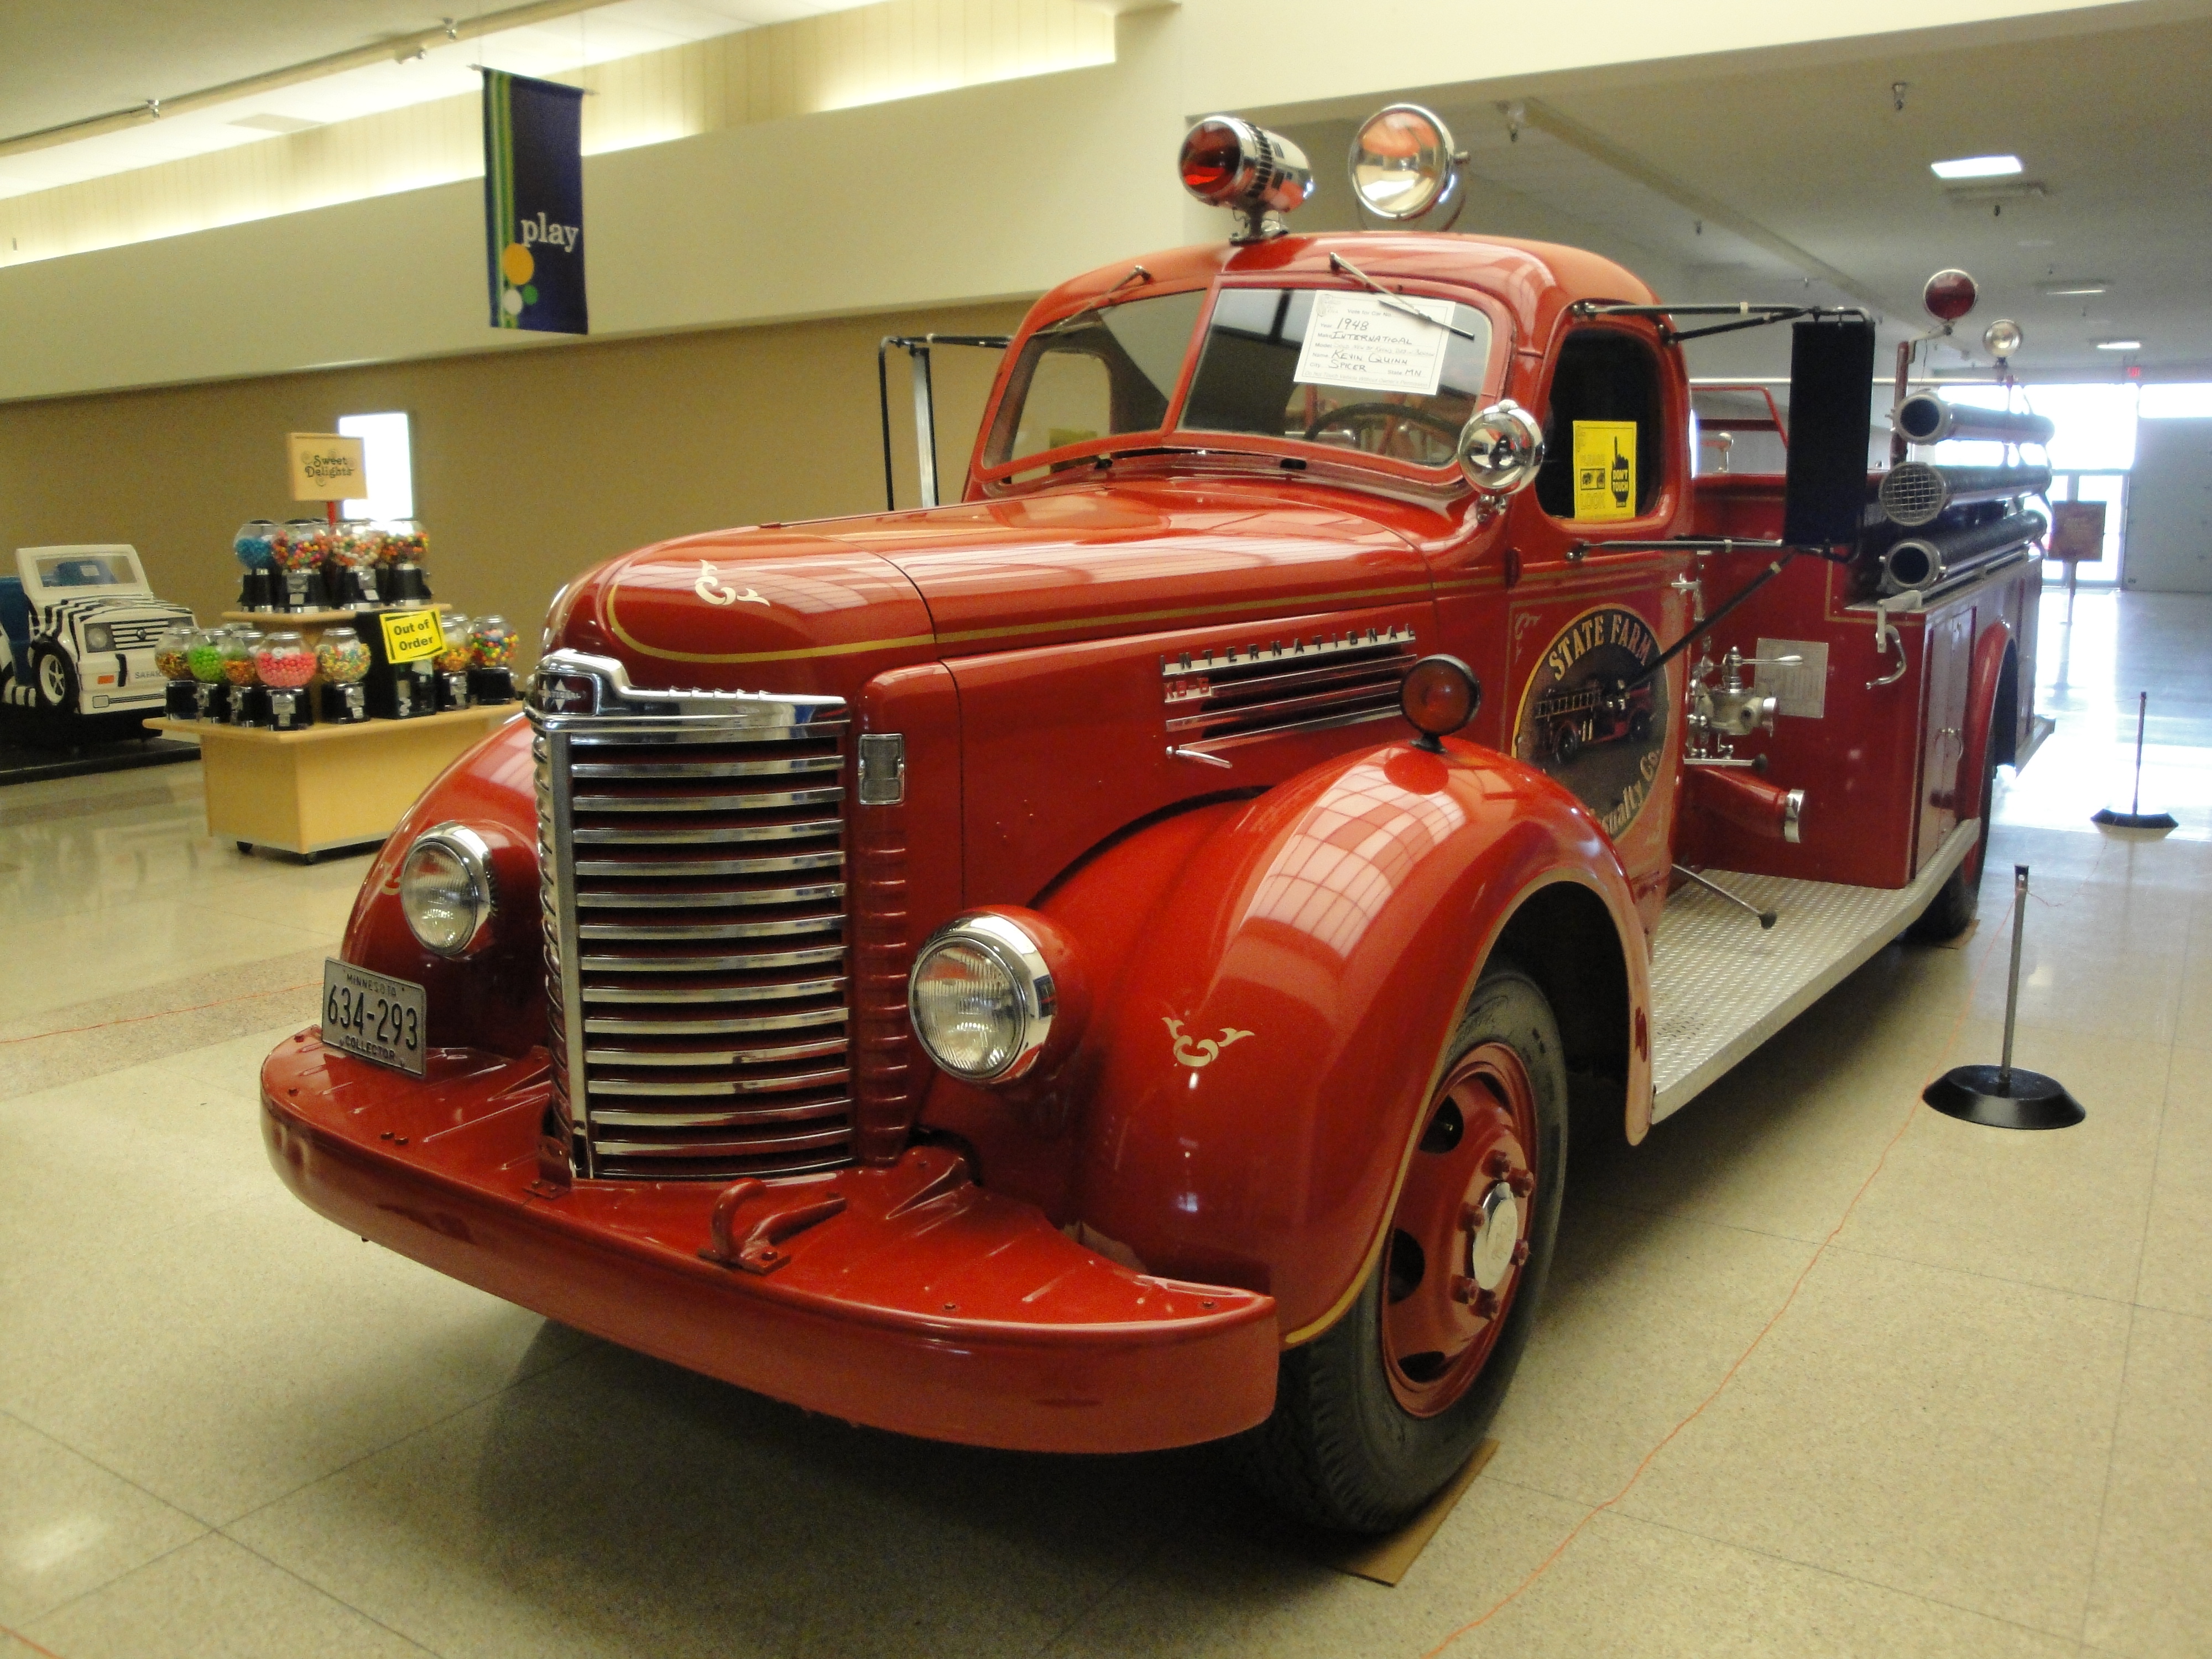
929 1305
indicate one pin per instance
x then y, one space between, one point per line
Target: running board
1721 985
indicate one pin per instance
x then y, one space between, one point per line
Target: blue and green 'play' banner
534 203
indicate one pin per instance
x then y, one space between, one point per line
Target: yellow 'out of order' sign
325 467
411 636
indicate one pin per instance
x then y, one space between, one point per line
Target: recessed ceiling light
2117 345
1976 167
2074 285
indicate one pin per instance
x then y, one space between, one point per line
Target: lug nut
1523 1181
1521 1253
1464 1289
1499 1163
1470 1217
1485 1304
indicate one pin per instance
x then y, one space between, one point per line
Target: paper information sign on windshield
1359 340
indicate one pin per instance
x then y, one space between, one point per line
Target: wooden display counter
329 786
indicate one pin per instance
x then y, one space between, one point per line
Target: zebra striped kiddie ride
81 624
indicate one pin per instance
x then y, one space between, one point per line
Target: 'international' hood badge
711 588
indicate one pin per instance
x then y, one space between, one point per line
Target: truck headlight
989 995
99 636
446 889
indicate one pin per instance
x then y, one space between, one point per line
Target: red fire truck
1114 962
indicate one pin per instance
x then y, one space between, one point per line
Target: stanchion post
1999 1095
2012 985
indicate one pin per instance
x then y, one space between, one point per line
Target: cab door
1584 623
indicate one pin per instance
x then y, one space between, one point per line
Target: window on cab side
1604 444
1100 374
1378 381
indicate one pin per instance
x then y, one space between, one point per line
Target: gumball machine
353 576
173 655
284 666
405 544
491 660
453 662
211 691
342 660
255 547
299 549
249 704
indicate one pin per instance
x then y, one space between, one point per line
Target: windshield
1352 371
1099 373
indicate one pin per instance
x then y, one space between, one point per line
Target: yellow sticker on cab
1605 470
412 635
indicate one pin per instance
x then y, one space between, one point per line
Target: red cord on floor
164 1013
1727 1376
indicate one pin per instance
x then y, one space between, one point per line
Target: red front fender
496 998
1263 1059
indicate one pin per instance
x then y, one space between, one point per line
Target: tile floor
1979 1421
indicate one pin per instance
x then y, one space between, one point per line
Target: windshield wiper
1338 262
1137 273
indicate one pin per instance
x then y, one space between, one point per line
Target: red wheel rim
1458 1237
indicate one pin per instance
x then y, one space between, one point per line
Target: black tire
53 678
1339 1451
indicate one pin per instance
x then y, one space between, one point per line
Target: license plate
373 1015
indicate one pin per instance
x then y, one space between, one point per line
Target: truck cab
1114 961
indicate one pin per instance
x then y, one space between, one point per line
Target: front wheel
55 677
1375 1415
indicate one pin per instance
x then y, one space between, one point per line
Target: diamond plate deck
1721 985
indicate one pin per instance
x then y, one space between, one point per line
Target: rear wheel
1374 1415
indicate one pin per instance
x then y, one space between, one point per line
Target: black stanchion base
2134 820
2032 1101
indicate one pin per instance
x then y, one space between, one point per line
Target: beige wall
528 465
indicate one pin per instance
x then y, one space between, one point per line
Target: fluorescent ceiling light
1976 167
2117 345
284 123
2078 285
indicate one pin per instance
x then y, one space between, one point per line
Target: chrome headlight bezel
471 853
1009 947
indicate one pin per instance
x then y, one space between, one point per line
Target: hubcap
1460 1235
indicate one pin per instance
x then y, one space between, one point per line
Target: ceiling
2114 125
1710 165
71 60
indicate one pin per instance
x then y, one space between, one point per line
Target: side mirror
1502 449
1831 415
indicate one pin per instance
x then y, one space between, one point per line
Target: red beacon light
1439 695
1257 174
1950 295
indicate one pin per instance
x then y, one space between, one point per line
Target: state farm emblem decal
1583 722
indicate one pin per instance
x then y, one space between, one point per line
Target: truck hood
825 606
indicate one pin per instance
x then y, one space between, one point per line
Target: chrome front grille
693 852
